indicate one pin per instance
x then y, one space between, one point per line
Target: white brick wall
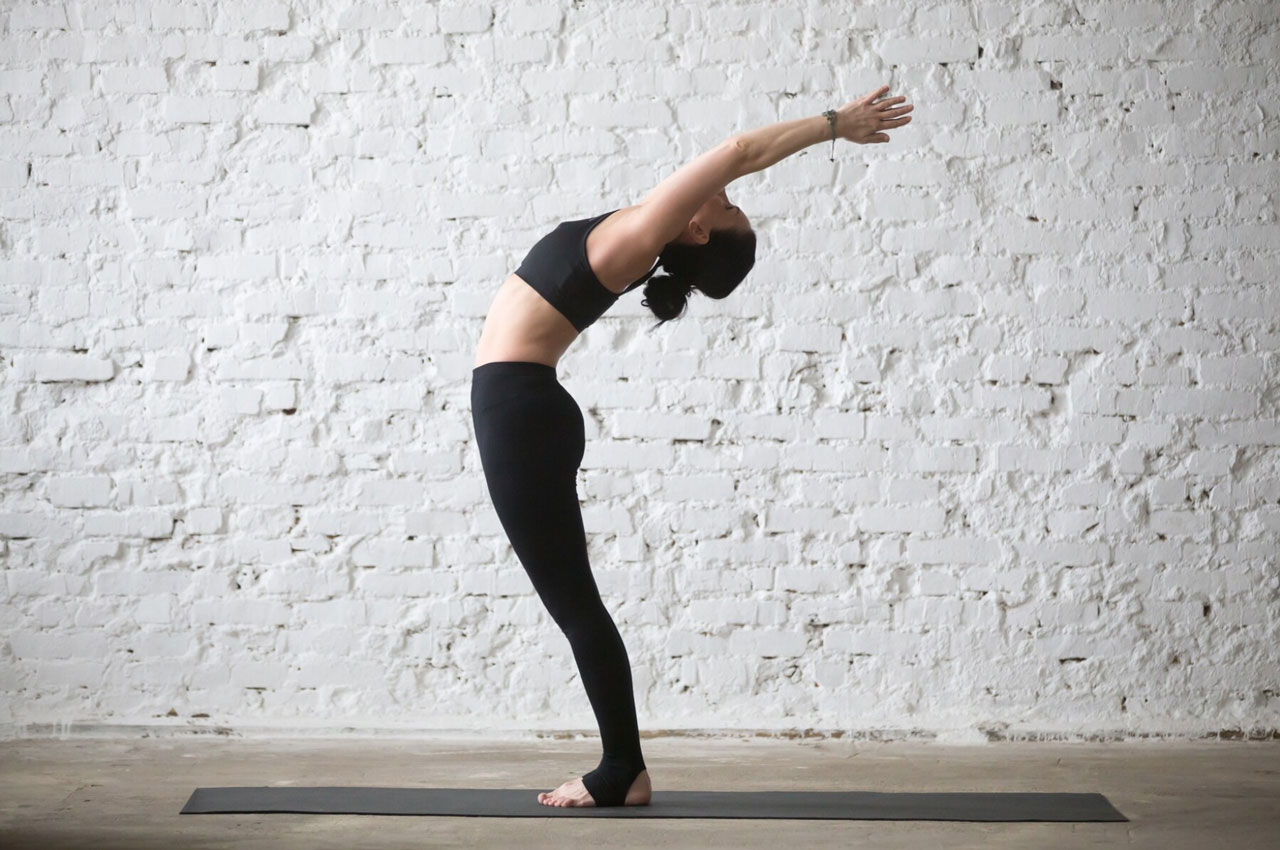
988 444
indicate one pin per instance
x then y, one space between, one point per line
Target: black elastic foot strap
609 783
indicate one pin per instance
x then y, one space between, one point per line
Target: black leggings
531 438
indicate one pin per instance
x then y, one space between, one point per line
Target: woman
529 429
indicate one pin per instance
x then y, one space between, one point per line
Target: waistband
515 367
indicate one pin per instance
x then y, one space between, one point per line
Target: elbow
741 149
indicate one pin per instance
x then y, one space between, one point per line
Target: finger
876 93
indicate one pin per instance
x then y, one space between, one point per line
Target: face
718 213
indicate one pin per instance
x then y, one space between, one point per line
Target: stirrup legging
531 436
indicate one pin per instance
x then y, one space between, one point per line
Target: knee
586 622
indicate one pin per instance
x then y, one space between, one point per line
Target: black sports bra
556 266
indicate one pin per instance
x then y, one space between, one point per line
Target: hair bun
666 295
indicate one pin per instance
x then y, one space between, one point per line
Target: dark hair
714 269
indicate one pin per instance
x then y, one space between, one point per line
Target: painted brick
987 439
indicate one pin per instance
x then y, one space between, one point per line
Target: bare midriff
522 325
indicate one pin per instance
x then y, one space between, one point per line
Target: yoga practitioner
530 431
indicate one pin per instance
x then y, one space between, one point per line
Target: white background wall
986 446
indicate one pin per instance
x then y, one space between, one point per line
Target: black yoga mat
523 803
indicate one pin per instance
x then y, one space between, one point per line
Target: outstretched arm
864 121
667 209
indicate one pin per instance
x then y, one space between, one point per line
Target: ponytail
667 296
714 269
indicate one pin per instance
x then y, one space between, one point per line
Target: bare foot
574 793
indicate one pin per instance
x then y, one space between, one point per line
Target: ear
699 234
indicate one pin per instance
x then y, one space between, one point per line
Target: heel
609 783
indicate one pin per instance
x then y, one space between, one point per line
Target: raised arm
665 212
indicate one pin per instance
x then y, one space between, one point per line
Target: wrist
830 117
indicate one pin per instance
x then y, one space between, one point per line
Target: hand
864 120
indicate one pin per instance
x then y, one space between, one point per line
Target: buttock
523 415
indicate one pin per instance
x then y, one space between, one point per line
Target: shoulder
618 250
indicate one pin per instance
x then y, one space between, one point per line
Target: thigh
530 447
543 522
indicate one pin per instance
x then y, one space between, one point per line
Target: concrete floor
126 793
